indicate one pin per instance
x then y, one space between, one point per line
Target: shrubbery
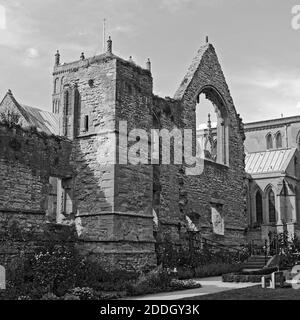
58 272
209 270
194 262
159 280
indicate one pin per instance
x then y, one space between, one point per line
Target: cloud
175 6
19 27
267 93
286 84
2 18
32 53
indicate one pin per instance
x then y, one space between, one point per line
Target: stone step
255 262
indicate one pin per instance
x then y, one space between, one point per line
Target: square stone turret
113 202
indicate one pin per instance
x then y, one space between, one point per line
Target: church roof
269 161
43 120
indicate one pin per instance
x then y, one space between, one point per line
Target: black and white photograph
149 154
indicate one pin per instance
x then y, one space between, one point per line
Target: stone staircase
255 262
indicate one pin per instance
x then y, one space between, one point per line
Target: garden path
209 286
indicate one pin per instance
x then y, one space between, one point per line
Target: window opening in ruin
86 123
60 203
212 127
218 219
52 199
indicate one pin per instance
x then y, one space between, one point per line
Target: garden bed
250 276
209 270
59 273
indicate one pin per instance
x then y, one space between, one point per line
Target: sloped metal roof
269 161
43 120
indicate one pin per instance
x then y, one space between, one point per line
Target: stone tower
113 202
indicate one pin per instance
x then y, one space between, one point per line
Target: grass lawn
253 293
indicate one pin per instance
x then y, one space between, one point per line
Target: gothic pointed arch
259 207
205 76
270 203
278 140
298 140
56 86
269 141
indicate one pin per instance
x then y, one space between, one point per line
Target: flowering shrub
59 273
55 269
24 298
83 293
184 284
69 296
159 280
49 296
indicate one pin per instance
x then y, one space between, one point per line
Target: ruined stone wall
27 160
134 183
218 184
168 197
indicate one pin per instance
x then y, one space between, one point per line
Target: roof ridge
27 106
271 150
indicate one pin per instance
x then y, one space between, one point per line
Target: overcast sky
257 47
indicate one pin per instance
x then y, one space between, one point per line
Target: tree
9 117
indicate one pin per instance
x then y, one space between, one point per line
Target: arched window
77 112
259 208
278 141
56 87
62 83
298 140
66 112
269 141
272 210
66 103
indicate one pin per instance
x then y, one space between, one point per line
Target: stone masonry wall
114 213
27 160
193 196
